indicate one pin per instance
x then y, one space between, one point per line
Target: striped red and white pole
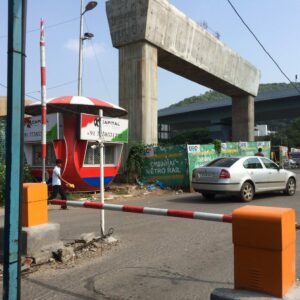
43 100
148 210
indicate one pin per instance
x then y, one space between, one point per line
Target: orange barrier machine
264 249
35 206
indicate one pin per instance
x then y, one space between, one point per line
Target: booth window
37 155
92 154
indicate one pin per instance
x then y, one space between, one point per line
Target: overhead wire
47 27
98 64
69 82
53 105
55 86
38 29
262 46
94 51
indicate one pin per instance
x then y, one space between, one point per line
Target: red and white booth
73 135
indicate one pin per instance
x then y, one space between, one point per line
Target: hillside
212 95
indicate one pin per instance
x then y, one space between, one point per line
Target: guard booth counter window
37 155
92 155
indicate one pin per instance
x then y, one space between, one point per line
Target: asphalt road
157 257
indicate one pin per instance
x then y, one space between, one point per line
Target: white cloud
72 45
89 49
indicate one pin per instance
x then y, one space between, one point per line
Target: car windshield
225 162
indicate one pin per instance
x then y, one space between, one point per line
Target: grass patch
120 192
78 196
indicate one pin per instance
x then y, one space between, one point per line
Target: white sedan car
243 176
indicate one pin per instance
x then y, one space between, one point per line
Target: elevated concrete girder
242 118
183 47
138 90
191 72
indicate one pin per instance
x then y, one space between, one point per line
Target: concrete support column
243 118
138 90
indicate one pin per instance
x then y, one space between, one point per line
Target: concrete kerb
235 294
38 242
39 237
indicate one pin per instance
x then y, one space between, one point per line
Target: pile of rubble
68 254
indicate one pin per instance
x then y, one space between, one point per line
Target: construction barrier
148 210
264 241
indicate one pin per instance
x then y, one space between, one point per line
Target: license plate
205 175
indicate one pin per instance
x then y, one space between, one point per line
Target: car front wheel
247 192
290 187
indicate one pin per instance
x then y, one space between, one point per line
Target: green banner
167 164
230 149
173 165
199 155
250 148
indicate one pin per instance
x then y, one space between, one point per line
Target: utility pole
14 148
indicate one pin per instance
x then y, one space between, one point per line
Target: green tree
213 95
26 178
195 136
288 136
2 140
135 162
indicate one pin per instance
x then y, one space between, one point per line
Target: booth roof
76 104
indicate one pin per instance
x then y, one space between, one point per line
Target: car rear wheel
290 187
247 192
209 196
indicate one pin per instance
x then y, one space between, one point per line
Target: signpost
101 145
103 129
114 130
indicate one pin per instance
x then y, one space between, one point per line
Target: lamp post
91 5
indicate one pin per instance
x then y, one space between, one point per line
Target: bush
27 174
2 182
135 162
195 136
218 145
26 178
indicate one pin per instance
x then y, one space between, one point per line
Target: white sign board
114 130
33 128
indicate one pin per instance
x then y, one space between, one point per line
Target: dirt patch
119 191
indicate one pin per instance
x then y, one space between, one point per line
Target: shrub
218 145
2 182
135 162
26 178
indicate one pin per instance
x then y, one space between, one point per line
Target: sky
274 22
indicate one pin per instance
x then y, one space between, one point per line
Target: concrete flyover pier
152 33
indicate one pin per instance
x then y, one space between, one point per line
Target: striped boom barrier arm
43 96
148 210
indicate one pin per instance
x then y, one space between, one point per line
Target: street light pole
80 50
91 5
